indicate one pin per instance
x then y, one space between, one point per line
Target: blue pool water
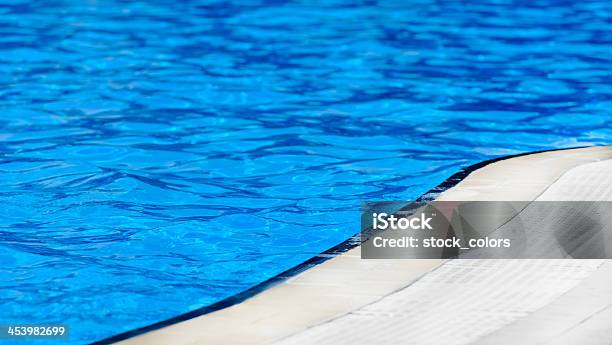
159 156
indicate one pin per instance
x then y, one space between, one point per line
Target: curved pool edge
186 327
496 301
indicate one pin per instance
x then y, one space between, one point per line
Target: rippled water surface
159 156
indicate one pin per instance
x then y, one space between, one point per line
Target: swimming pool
159 156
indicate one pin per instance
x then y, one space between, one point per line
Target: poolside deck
346 300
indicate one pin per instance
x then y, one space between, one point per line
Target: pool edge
333 252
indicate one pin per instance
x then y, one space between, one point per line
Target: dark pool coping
350 243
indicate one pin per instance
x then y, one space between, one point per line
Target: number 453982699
33 331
